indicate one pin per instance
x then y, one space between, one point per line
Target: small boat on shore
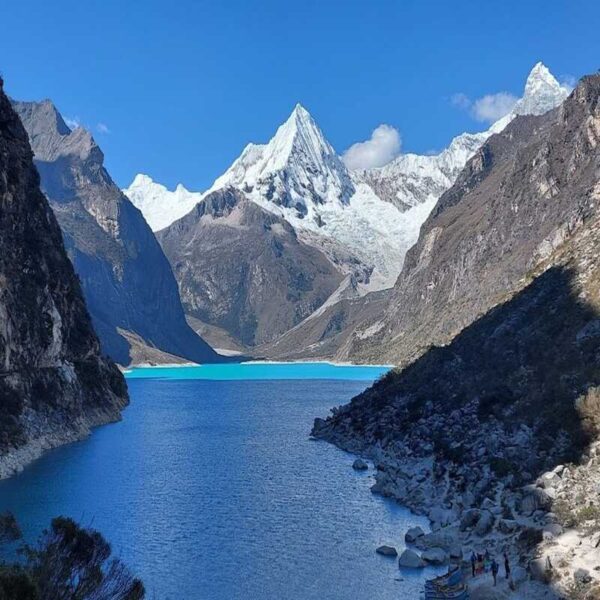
450 586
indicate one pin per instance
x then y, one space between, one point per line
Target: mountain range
362 223
490 422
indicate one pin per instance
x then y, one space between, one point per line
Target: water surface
212 489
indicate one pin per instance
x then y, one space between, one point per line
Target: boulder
413 534
534 498
360 465
435 556
507 526
410 560
548 480
387 550
582 576
435 539
469 518
485 523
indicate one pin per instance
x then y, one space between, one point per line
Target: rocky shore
550 534
45 432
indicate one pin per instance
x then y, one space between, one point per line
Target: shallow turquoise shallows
262 370
213 490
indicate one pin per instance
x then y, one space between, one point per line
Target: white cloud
493 106
461 100
490 107
72 122
102 128
569 82
383 146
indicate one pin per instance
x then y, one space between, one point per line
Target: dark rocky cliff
54 382
127 281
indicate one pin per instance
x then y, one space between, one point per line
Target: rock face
127 281
54 383
523 194
243 269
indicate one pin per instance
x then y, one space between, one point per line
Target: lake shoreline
320 513
455 529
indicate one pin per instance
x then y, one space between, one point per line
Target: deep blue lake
210 488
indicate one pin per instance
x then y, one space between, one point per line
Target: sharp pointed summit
542 92
296 169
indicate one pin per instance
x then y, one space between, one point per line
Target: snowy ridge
159 205
365 221
412 178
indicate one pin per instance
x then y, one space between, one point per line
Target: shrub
69 562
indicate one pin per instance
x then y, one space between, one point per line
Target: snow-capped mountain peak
411 179
296 169
159 205
301 135
542 92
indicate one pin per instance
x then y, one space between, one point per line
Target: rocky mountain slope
522 194
54 382
127 281
244 270
477 430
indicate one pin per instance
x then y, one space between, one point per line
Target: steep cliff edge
128 284
54 383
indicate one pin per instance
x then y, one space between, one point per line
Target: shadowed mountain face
530 361
127 281
54 383
243 269
475 432
523 194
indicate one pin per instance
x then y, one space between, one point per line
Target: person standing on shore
506 566
495 568
473 561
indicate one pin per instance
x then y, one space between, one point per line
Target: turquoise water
262 370
212 489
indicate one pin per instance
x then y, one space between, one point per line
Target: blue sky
176 89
